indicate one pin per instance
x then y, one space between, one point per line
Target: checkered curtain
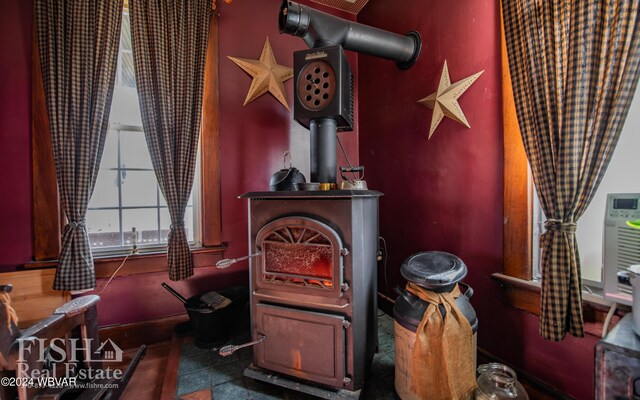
169 50
78 46
574 66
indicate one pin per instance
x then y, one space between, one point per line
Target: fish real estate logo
66 362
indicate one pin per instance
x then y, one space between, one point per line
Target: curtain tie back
179 225
560 226
77 224
556 225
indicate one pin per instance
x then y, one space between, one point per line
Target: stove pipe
322 30
319 29
323 150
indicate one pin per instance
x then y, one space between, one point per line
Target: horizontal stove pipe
320 29
323 150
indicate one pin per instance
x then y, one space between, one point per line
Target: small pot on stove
286 178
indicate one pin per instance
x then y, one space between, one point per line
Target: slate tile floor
204 371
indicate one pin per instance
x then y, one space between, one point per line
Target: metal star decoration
444 102
267 75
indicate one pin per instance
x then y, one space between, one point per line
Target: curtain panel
574 66
169 39
78 47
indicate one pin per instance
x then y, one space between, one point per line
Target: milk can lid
433 270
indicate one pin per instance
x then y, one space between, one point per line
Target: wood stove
313 288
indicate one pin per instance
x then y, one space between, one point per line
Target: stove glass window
298 255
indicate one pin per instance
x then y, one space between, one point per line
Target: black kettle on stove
286 178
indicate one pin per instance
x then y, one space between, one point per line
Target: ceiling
350 6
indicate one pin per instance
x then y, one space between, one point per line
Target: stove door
303 344
300 254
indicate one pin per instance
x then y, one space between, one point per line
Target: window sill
142 263
525 295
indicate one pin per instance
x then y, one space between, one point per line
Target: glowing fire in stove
298 256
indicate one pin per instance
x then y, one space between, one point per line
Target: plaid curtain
78 45
574 66
169 50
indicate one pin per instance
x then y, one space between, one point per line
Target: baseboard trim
535 387
134 335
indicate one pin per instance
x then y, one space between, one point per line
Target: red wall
15 126
446 193
252 141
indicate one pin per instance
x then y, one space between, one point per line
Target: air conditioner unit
621 244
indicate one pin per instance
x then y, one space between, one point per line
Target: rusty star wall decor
267 74
444 102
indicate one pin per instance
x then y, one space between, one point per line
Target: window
127 195
524 219
620 177
47 216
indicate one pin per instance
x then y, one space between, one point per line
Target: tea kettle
286 178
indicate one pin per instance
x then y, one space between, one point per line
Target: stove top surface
329 194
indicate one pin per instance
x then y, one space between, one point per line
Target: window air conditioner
621 244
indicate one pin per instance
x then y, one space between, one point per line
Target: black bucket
213 327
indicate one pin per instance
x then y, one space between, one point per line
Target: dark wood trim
518 208
143 263
131 336
170 383
525 295
210 145
46 209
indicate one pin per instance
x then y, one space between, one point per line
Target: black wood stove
313 288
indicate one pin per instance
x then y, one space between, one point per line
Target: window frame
48 218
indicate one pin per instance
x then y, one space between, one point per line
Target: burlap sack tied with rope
442 360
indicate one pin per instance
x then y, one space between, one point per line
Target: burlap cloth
442 361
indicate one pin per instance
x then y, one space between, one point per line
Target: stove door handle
227 262
232 348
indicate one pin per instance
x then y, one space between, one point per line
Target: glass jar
497 381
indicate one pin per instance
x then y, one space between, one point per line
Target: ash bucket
436 272
215 315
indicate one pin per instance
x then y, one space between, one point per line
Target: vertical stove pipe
323 150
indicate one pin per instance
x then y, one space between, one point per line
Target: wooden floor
147 381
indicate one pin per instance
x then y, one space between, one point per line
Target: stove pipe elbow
319 29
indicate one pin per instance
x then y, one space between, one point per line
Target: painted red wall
15 128
253 139
446 193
